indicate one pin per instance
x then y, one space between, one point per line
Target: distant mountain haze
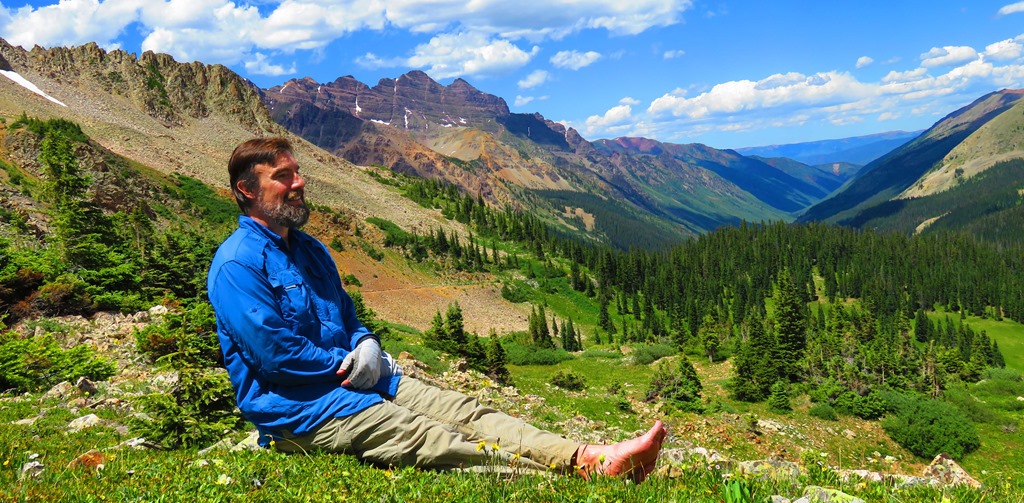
854 150
910 165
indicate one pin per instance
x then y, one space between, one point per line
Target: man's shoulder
242 246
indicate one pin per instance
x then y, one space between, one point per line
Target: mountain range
186 117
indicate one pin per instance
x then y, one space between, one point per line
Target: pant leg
477 423
432 428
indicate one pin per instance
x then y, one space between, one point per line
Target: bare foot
634 458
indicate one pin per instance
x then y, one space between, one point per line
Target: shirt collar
246 222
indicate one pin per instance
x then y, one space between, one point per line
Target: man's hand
361 367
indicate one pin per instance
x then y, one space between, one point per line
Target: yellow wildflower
481 445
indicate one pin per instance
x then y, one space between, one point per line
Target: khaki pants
428 427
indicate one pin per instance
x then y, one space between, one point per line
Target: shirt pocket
295 299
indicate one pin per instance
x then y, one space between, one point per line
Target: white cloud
947 56
613 119
534 79
673 54
1004 50
371 60
70 22
864 61
574 59
460 54
1011 8
534 21
836 98
629 101
260 65
223 31
908 76
523 100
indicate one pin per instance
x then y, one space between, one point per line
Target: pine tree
455 326
497 360
922 327
790 326
710 337
778 401
755 364
539 331
604 320
681 388
436 337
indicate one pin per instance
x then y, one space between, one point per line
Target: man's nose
298 182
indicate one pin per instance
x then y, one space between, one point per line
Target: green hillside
615 340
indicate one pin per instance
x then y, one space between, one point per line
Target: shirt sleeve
249 312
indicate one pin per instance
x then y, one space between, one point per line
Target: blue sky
724 73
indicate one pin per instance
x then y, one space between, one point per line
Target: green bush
186 339
823 411
569 380
600 353
35 363
680 388
519 354
40 127
515 292
374 253
870 406
648 354
778 400
394 236
198 411
927 427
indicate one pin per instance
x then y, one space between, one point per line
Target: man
311 377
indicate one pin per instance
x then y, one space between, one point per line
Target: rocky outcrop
413 101
155 83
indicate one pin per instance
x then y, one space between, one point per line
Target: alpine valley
828 314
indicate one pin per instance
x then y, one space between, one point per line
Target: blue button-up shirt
285 324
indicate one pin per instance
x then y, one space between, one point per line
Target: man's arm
246 307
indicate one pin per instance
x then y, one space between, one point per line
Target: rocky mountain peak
155 83
413 101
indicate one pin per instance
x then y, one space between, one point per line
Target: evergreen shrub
34 363
185 339
648 354
515 291
927 427
519 354
569 381
679 387
198 411
870 406
778 400
823 411
601 353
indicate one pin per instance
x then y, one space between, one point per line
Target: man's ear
244 189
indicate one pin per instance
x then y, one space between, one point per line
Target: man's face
279 198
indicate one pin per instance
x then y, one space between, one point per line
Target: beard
284 214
